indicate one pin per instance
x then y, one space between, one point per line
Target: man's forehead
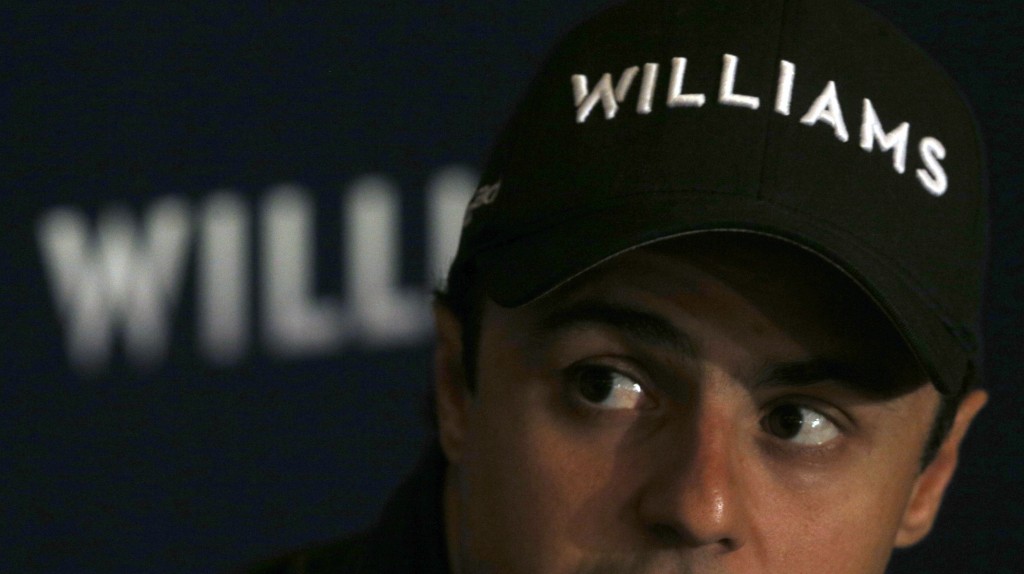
751 278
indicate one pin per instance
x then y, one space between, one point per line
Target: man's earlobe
451 394
931 485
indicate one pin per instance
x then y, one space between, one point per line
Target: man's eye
606 388
800 424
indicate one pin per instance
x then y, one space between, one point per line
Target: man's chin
633 563
650 563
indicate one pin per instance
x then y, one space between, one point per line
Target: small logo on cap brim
484 195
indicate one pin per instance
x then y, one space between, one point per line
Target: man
714 310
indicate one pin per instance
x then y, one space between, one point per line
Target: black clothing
407 538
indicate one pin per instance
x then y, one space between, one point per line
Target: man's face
691 410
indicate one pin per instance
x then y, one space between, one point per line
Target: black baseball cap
815 122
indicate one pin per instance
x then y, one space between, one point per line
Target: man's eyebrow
642 326
864 380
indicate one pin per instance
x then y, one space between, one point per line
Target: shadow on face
716 403
806 296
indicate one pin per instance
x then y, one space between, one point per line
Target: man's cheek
851 516
551 488
515 501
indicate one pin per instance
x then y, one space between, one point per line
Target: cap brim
523 269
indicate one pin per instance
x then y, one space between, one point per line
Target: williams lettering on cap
812 121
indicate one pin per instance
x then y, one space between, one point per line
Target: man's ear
451 394
924 502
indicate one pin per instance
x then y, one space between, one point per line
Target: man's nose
693 494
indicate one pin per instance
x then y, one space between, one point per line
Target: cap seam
562 215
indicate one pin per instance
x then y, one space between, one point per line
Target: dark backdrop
218 232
